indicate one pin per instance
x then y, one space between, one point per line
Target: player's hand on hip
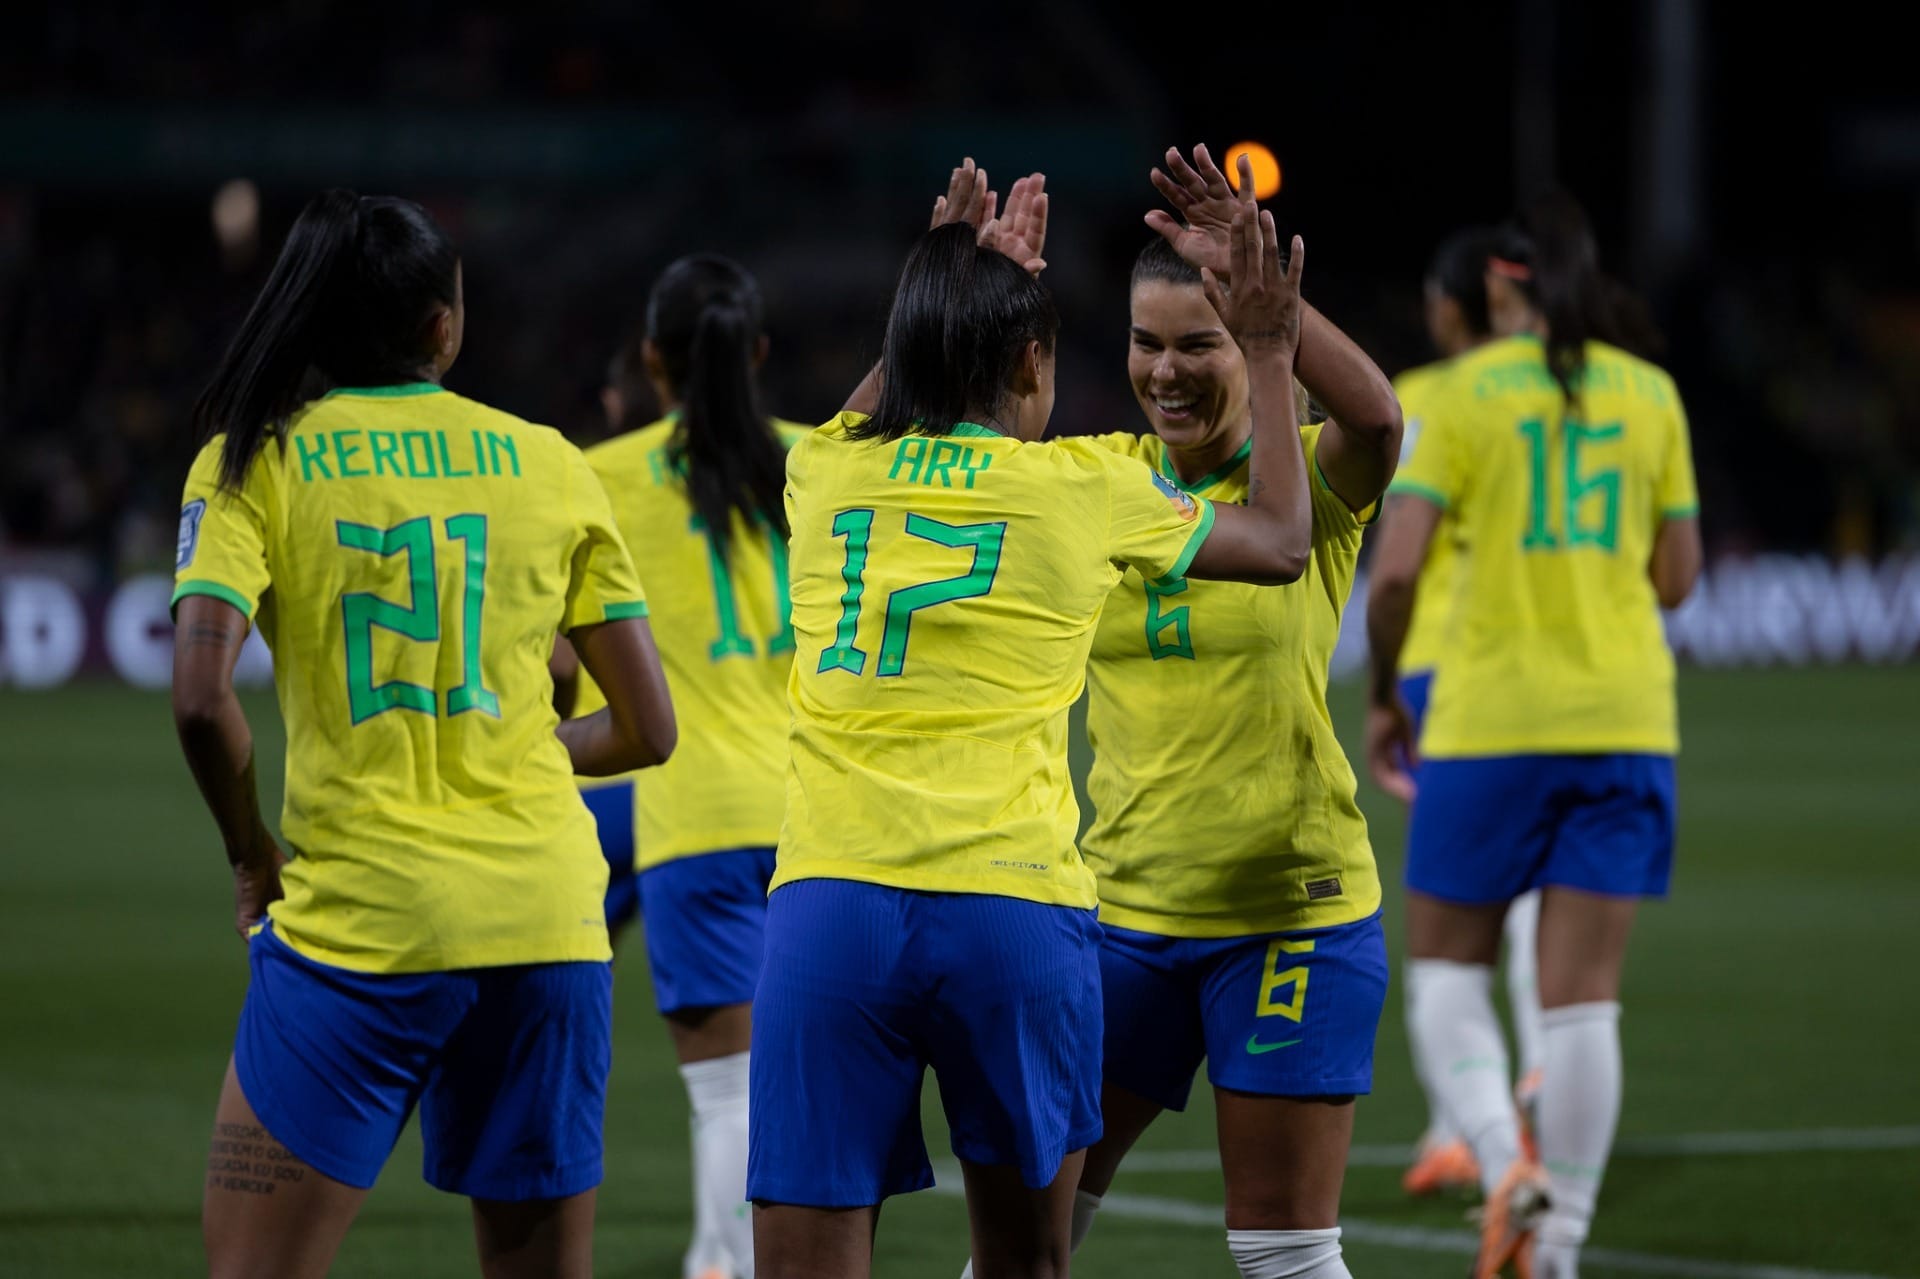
1391 750
256 885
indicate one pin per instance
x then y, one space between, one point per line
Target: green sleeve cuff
225 594
1681 512
621 612
1185 561
1418 489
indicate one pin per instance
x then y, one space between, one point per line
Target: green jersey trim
225 594
1211 478
1418 489
1681 512
975 431
1185 561
621 612
388 392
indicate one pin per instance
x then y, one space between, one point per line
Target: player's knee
1287 1254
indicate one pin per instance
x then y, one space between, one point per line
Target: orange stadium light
1266 169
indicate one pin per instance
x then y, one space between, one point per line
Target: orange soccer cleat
1508 1221
1526 1100
1441 1166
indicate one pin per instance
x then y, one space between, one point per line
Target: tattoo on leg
245 1160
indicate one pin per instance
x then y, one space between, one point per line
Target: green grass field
1776 993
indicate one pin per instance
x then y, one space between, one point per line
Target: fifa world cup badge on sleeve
1181 502
190 515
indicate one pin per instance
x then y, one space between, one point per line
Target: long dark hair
961 318
349 299
1459 271
704 318
1550 252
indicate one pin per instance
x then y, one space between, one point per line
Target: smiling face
1187 373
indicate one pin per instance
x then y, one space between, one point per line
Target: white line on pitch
1786 1142
1183 1212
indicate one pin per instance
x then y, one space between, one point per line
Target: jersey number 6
856 526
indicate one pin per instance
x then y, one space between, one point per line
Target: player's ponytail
961 318
704 318
1551 255
348 303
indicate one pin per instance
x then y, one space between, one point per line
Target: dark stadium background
1754 170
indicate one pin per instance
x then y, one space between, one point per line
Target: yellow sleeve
604 586
798 455
222 549
1679 499
1151 525
1124 443
1433 467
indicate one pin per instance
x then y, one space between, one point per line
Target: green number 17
856 526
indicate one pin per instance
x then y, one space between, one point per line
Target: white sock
722 1221
1456 1038
1287 1254
1579 1107
1085 1204
1440 1129
1523 987
1556 1261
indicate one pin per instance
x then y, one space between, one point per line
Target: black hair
1159 264
1550 253
961 318
1459 271
349 300
704 318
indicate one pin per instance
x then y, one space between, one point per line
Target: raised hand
1020 232
968 198
1260 302
1207 204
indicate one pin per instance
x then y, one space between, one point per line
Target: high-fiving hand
1019 233
1260 301
1203 233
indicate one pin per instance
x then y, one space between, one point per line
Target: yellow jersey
1224 805
726 642
1555 643
408 555
945 593
1427 629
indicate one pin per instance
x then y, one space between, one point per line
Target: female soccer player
408 555
929 907
1547 753
1238 893
1457 322
700 490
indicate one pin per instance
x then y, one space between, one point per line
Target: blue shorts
1487 830
508 1065
612 809
1243 1005
865 987
1415 688
706 927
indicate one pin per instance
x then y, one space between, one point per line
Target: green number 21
418 619
1578 487
856 526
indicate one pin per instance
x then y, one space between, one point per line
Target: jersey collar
1211 478
388 392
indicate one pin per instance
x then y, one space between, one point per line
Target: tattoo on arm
207 635
245 1160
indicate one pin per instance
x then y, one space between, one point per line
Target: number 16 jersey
408 555
945 593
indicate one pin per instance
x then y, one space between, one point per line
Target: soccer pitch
1772 1119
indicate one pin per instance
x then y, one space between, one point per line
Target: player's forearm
219 750
598 748
1389 609
1347 383
1277 470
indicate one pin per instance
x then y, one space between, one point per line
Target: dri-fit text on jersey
925 459
405 455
